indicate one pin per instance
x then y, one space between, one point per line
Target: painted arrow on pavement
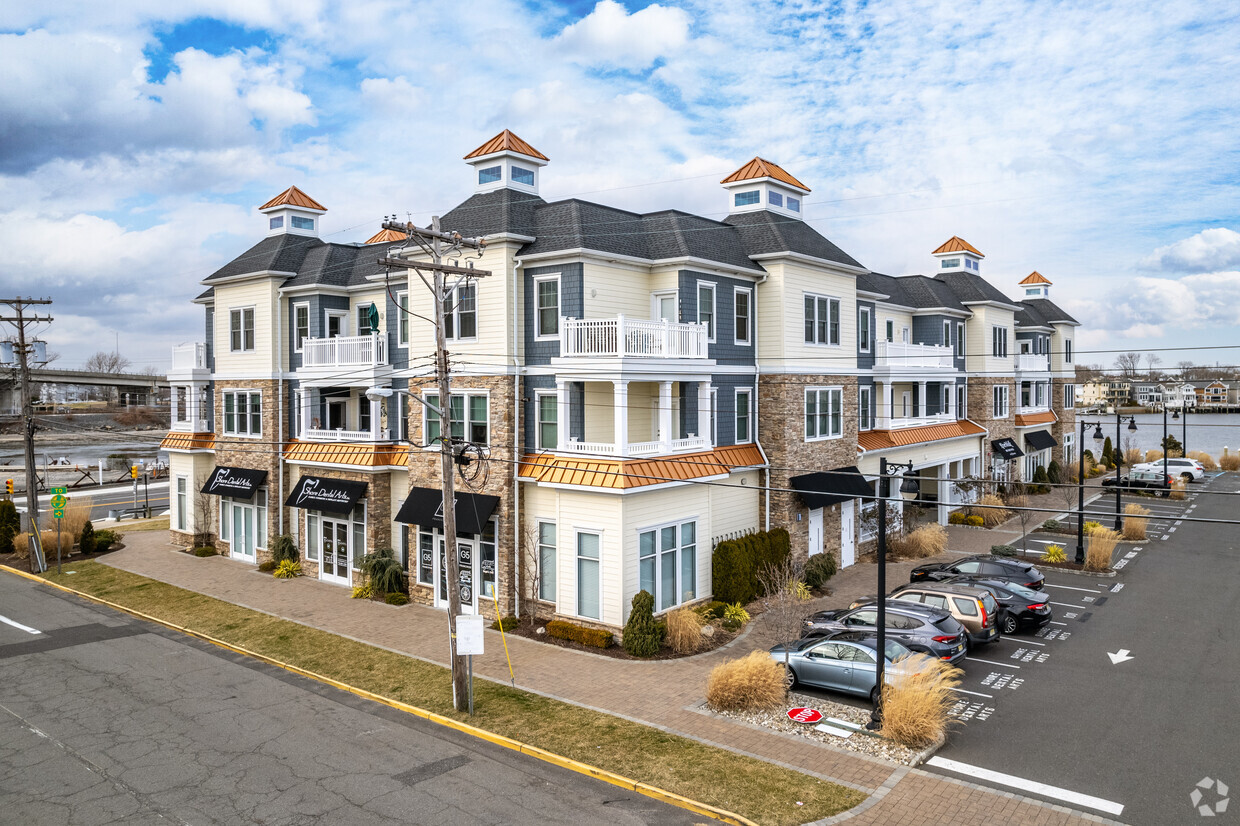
1120 657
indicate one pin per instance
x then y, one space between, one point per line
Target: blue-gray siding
571 306
725 349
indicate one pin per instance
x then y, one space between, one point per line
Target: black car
1142 480
1022 607
981 565
931 631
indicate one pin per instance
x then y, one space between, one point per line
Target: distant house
1148 394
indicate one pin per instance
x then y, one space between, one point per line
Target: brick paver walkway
663 694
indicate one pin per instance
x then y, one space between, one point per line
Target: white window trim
947 334
1003 339
466 394
864 315
1067 351
402 318
712 332
959 351
456 313
714 417
1000 391
736 411
555 549
539 395
1069 397
865 407
697 545
297 344
253 317
223 420
182 520
889 329
840 312
749 318
344 324
577 557
559 305
828 390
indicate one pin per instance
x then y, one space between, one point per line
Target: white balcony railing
342 435
622 337
898 355
192 425
1030 409
191 356
345 351
921 421
689 444
1033 362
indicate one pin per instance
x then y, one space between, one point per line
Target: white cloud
610 35
1207 251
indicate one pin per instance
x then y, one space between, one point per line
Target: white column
561 413
620 403
704 410
303 401
176 407
665 416
884 405
951 400
374 418
923 406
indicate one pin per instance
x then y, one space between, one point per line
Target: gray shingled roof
969 287
282 253
916 291
764 232
1048 310
504 211
673 234
577 224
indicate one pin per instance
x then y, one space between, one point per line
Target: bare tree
785 601
203 536
1086 373
1128 364
102 362
532 572
1152 361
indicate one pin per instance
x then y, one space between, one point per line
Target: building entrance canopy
321 493
424 506
831 487
237 482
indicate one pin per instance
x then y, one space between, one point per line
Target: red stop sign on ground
804 715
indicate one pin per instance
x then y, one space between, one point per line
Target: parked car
987 565
1020 607
843 661
1142 480
974 608
921 628
1189 469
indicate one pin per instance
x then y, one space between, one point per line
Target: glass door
242 544
335 566
465 568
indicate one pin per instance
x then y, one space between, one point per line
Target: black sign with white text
320 493
237 482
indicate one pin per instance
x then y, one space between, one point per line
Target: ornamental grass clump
287 569
1178 489
1054 553
752 683
993 512
684 630
916 700
1205 459
928 540
1090 527
1230 461
1099 548
1135 522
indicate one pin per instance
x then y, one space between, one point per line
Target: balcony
899 356
691 444
1033 363
622 337
189 363
922 421
353 361
341 435
188 425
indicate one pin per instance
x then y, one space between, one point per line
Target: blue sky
1091 141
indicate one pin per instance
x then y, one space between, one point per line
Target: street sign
469 634
804 715
58 513
59 491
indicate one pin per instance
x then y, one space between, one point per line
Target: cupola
1036 285
293 212
958 255
761 184
506 162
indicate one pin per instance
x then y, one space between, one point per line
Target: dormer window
794 204
299 222
950 263
775 198
277 222
490 175
747 198
523 176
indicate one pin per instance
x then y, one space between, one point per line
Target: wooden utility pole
437 244
23 349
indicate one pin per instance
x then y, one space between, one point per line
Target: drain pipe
516 435
279 413
757 375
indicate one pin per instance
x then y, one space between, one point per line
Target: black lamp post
1164 443
909 488
1119 465
1080 486
1183 431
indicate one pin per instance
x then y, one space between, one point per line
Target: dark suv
931 631
981 565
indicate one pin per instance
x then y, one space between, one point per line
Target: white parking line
1052 622
1069 605
1071 588
991 662
1033 786
19 626
1022 642
974 693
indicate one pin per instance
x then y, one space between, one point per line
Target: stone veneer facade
1066 416
378 511
981 410
259 453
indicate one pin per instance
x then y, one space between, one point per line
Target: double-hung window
863 329
947 334
822 320
301 325
460 311
706 308
363 320
959 339
241 330
743 312
1069 396
546 561
824 413
243 413
589 595
1000 396
402 319
667 564
1067 351
468 413
999 342
547 306
865 408
744 409
548 420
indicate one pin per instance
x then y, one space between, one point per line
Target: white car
1189 469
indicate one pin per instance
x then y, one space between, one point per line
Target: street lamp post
1119 465
1080 486
1183 431
909 488
1164 443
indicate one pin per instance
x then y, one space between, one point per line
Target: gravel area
861 741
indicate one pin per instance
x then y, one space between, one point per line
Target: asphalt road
107 719
1142 732
112 497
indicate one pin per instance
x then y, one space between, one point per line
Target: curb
430 716
928 752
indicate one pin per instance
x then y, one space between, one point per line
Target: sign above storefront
321 493
1006 448
237 482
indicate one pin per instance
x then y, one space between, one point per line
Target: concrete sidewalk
662 694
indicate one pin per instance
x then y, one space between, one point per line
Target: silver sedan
844 661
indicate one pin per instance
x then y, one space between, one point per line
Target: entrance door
335 324
815 531
848 533
665 306
335 567
465 567
242 544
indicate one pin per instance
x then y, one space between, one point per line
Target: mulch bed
721 637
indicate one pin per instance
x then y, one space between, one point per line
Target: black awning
831 487
1007 448
237 482
321 493
424 506
1040 440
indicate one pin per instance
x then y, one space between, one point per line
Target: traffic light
133 471
8 486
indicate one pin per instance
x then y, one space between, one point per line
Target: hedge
736 563
579 633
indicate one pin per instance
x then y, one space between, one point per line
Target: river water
85 453
1210 432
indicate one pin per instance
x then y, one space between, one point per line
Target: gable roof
764 232
958 244
281 253
506 141
1034 277
499 212
293 197
969 288
1049 311
762 168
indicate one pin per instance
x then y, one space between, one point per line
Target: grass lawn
158 523
759 791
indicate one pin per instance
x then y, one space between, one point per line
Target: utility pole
23 351
438 245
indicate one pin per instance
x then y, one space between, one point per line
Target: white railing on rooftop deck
345 351
342 435
899 354
631 338
191 356
1033 362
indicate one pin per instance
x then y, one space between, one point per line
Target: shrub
1206 460
736 562
735 616
399 598
993 512
1054 553
1098 549
506 624
751 683
1135 522
684 630
956 518
1230 461
1003 550
266 566
579 633
642 637
363 591
819 569
916 702
6 538
1040 481
282 548
287 570
382 571
1052 525
711 610
106 539
207 550
87 539
1178 488
1054 473
1089 456
1090 527
974 521
1153 455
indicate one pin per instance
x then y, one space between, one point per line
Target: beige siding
781 316
734 509
196 467
659 508
926 453
899 321
611 289
978 339
262 296
599 412
1062 332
